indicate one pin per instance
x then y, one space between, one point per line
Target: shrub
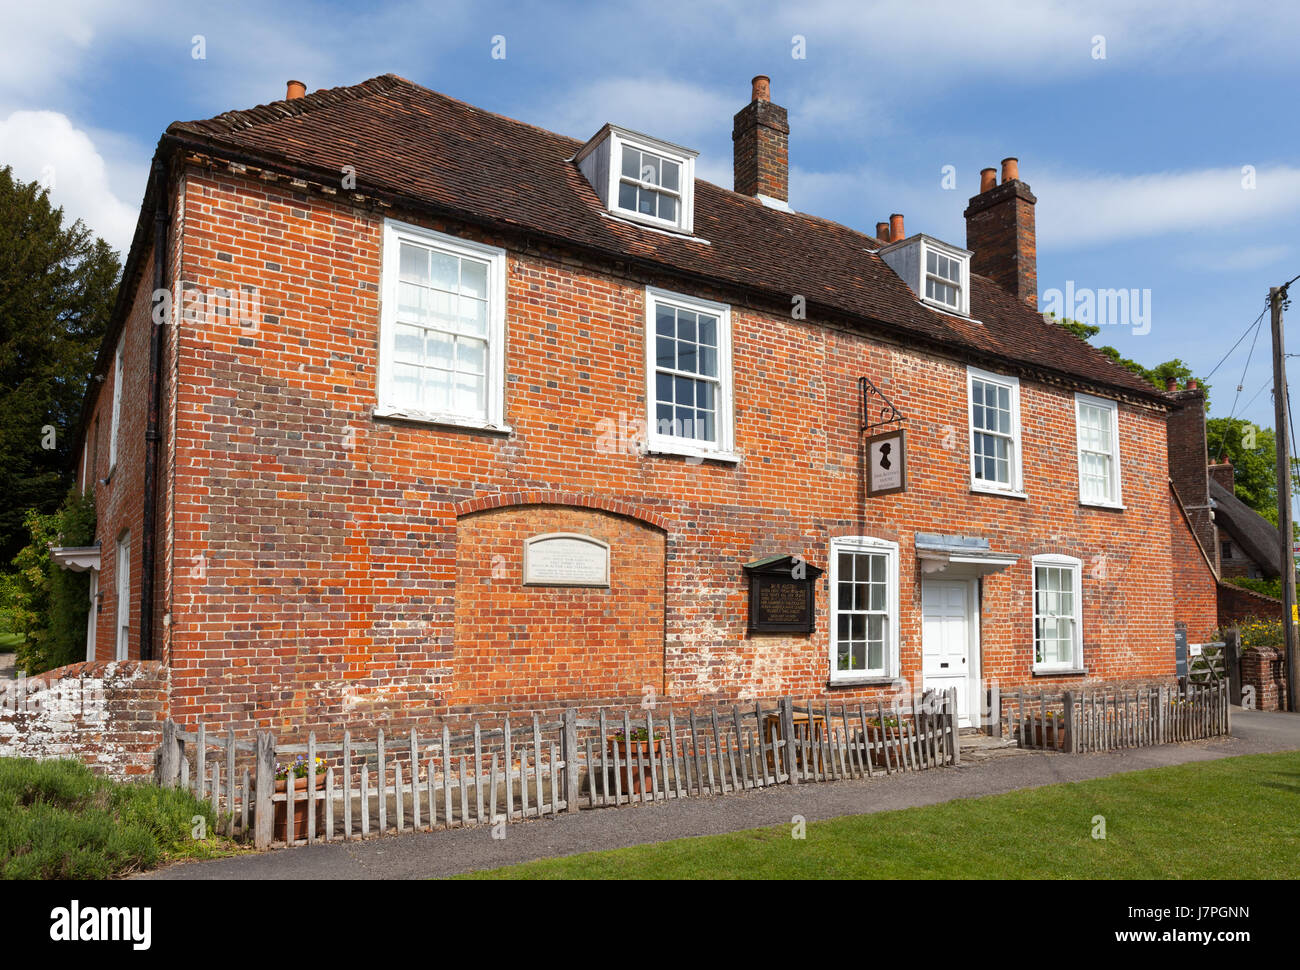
59 821
48 605
1256 631
1265 587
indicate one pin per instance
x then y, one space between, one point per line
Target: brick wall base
108 714
1264 670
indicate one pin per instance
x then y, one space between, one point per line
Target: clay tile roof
409 143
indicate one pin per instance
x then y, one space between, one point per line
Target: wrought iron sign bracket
874 403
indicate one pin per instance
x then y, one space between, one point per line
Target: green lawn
1229 819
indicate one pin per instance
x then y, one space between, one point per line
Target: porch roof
968 554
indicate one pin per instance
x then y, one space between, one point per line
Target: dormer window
937 272
650 185
641 178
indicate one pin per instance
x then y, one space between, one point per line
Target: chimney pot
895 227
760 136
882 230
295 90
988 179
1171 384
1192 383
1000 233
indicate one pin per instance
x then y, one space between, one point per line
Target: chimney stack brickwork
1000 232
1189 466
761 137
1225 475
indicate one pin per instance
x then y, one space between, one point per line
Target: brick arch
574 499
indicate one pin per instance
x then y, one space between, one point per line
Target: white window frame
1116 501
870 545
1017 485
656 443
395 233
1075 565
620 138
119 359
962 259
122 608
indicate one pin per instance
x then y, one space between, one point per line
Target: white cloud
44 146
675 110
1081 210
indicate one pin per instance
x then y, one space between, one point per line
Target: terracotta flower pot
1044 736
299 807
635 779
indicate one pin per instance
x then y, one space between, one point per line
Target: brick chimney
1189 465
1000 232
761 136
1223 473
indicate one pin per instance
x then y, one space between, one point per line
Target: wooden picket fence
507 773
1110 720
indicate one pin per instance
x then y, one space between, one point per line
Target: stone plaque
782 595
565 559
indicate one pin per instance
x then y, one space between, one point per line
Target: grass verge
60 821
1228 819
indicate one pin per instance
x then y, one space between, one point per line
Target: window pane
439 349
667 208
708 329
665 321
627 196
663 387
686 357
408 343
443 309
649 171
445 270
470 394
473 278
415 263
471 356
437 391
645 202
671 175
473 316
631 163
411 302
665 352
406 385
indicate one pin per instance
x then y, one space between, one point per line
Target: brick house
1220 536
452 412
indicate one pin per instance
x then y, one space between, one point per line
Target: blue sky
1137 157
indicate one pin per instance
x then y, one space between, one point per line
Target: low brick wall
1264 669
108 714
1238 603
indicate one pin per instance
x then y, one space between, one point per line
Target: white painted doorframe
974 666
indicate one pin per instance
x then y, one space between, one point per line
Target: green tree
48 605
1157 376
57 287
1253 453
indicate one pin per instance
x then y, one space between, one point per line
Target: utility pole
1281 411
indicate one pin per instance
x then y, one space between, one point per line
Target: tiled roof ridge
264 114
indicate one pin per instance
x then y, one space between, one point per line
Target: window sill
667 228
862 682
674 451
1059 671
436 421
1004 492
1109 506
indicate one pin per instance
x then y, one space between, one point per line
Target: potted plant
1042 734
298 771
635 778
881 731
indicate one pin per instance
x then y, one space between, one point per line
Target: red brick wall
538 644
1189 467
1236 603
108 715
1264 669
1196 588
330 540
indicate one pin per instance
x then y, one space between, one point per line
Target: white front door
946 639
